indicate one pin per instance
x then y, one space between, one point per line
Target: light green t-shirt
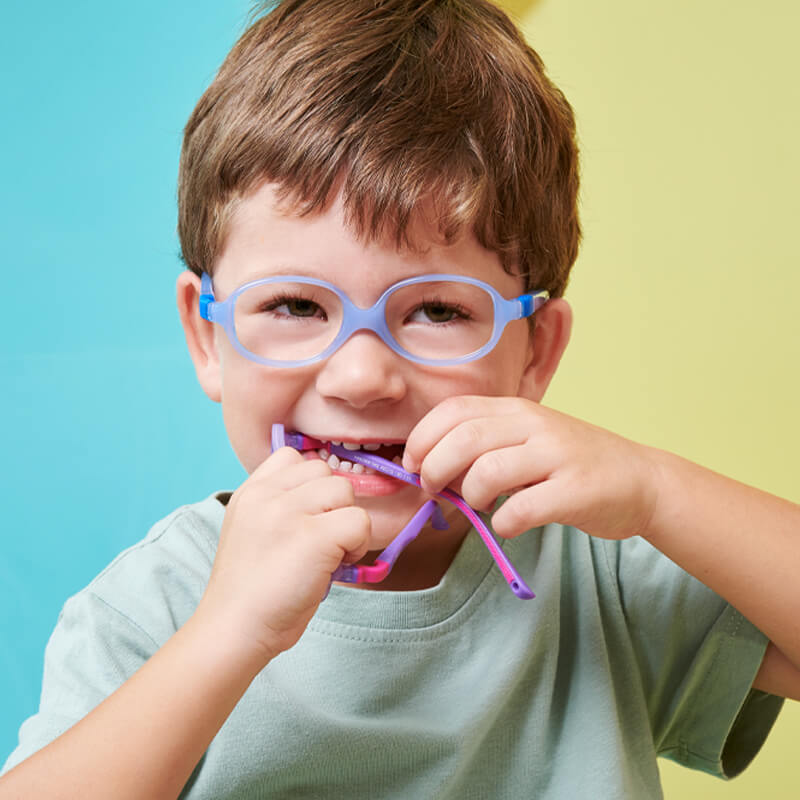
459 691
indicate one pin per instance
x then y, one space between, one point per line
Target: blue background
104 427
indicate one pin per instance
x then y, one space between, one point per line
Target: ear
547 344
199 334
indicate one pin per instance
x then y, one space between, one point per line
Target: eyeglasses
293 321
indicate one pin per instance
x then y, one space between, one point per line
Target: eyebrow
284 269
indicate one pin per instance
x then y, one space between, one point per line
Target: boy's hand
286 529
557 468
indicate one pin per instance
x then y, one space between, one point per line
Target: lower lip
367 485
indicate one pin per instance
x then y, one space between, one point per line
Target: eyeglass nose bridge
355 319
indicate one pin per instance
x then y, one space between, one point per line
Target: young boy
409 155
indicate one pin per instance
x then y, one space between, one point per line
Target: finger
529 508
456 453
321 495
277 461
292 475
349 528
439 421
266 483
284 470
501 471
337 536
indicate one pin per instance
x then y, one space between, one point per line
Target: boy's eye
437 313
300 308
294 307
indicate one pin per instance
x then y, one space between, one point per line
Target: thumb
531 507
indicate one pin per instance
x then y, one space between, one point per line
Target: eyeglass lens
293 321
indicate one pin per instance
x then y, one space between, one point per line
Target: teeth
367 446
342 465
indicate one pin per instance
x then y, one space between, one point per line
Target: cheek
506 364
499 373
478 378
253 398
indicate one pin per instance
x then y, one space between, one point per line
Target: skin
478 428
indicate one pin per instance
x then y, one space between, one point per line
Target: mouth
373 467
391 451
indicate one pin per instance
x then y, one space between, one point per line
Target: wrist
234 646
665 474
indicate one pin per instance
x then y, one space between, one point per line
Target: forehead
266 237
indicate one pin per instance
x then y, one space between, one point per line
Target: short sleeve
697 659
93 650
112 627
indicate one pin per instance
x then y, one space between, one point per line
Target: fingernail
409 465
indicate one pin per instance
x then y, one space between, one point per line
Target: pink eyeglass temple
383 564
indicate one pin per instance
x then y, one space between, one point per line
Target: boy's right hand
286 529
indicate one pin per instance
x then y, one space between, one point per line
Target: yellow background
687 333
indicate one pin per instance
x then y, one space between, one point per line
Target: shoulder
107 631
157 583
190 531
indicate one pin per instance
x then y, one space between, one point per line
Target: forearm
741 542
145 739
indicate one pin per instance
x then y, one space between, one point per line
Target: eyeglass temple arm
302 442
206 297
531 303
359 573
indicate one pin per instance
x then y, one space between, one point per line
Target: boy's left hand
555 467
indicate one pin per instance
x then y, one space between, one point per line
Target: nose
362 372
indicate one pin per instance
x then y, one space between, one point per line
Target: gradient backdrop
687 334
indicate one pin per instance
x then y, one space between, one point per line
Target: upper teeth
357 446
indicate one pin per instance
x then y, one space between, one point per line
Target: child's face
365 392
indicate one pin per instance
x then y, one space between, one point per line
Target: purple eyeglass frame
352 573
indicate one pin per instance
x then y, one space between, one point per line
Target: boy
360 145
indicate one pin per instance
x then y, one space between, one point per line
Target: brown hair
401 105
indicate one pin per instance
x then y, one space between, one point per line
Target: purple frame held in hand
385 561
